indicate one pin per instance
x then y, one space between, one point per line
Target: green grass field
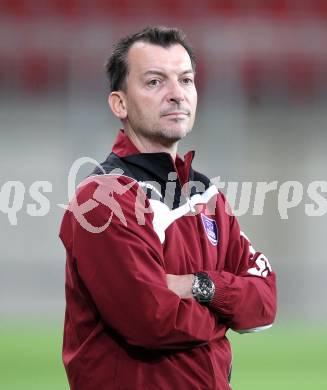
283 358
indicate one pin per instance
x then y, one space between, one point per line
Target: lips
176 113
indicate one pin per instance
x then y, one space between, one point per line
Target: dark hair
117 65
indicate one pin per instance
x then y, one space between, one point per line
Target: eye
187 80
153 82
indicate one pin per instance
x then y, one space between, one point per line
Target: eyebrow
161 73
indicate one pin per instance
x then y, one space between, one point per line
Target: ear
117 103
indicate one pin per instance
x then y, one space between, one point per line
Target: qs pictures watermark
245 197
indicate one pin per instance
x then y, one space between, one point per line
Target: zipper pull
190 204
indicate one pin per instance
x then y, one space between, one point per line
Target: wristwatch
203 288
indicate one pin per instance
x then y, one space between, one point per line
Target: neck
151 145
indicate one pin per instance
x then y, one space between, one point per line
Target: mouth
177 114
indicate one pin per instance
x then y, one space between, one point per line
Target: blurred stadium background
262 82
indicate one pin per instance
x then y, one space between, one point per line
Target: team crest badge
210 228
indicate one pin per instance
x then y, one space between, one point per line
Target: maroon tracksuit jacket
139 217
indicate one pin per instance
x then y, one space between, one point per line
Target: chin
177 133
169 134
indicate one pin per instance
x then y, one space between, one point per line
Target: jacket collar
124 147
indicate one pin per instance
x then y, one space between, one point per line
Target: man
157 269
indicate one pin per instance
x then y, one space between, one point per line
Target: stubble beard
164 135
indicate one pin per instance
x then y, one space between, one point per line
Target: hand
181 284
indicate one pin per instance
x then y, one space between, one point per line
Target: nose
175 92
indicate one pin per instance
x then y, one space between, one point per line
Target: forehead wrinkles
143 57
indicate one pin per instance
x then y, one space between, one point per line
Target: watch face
204 288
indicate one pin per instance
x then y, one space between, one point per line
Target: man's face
160 92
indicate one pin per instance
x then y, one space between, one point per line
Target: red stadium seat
14 8
275 8
115 8
320 8
65 8
252 70
222 7
300 72
35 74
